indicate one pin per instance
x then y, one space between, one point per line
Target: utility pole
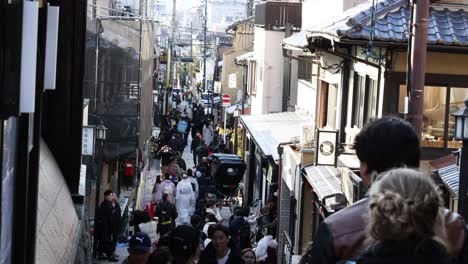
172 51
250 4
191 56
205 29
418 64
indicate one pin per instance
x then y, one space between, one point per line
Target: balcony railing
277 15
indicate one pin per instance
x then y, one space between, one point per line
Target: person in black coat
221 248
240 228
105 229
202 151
193 148
167 214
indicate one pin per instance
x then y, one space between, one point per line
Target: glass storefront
438 124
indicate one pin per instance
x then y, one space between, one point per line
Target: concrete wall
147 63
57 221
269 56
230 68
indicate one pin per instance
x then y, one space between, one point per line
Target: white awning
298 41
269 130
245 57
230 110
324 180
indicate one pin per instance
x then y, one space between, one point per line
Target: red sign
226 98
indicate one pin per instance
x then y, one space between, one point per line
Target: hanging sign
87 141
326 147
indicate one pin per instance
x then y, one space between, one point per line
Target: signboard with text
87 142
217 87
232 80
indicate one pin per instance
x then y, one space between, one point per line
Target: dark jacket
182 164
201 151
406 252
169 209
341 235
208 256
105 222
240 232
205 185
116 220
195 143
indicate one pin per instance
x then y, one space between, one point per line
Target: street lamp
101 133
237 113
461 133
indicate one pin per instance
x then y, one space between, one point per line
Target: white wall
269 56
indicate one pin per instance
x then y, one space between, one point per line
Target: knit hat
140 242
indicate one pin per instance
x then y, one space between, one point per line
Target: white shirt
224 259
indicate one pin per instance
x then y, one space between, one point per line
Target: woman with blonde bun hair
406 223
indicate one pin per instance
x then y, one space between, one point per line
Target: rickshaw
227 171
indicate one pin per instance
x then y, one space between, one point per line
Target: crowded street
234 131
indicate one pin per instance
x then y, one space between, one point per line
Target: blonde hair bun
403 203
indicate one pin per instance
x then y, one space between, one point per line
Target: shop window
365 100
304 71
438 104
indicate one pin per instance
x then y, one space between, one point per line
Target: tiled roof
447 26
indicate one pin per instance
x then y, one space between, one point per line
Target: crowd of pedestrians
402 219
184 223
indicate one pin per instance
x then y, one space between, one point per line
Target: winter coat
207 134
201 151
185 201
341 235
195 143
240 232
194 184
182 164
262 247
174 170
205 186
116 219
167 214
105 222
427 251
208 256
165 187
176 145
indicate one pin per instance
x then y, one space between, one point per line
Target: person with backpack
166 213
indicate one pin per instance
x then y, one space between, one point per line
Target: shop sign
87 141
232 80
326 147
